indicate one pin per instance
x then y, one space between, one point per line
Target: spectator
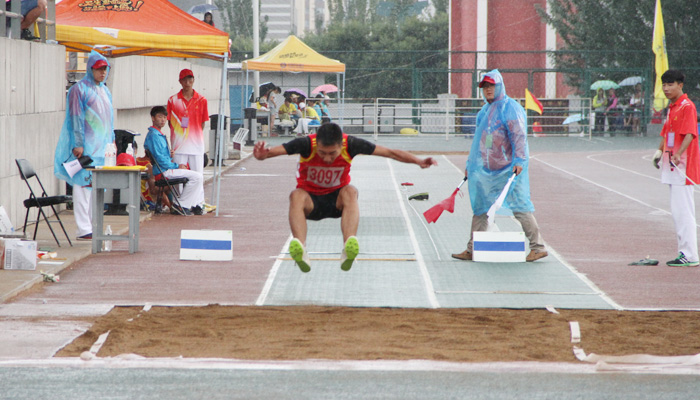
498 151
87 129
615 119
192 196
31 10
209 19
323 185
636 105
308 118
600 102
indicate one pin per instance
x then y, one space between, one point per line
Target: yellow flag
658 45
531 103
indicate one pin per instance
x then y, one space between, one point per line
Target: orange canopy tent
117 28
136 27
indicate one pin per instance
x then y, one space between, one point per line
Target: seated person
192 196
288 109
149 191
308 118
31 10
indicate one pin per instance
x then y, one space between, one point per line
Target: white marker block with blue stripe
500 247
206 245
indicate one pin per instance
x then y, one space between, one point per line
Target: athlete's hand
657 157
260 151
427 162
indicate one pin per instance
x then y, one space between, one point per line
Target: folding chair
26 172
162 183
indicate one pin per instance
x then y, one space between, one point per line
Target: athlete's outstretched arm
403 156
261 152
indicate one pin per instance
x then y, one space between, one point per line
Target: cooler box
500 247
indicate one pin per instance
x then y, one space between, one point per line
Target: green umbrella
605 85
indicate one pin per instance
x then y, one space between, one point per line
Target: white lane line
273 273
429 288
601 186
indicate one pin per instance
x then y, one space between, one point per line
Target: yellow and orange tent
118 28
293 55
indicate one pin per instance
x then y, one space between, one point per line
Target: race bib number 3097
325 176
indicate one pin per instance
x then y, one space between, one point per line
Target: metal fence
448 115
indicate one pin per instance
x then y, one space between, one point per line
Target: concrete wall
32 106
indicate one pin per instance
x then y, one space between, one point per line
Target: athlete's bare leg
300 205
347 203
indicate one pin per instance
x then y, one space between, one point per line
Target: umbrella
202 8
296 91
572 118
327 88
499 201
631 81
605 85
262 90
434 212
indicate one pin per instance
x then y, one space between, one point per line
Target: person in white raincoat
87 129
499 150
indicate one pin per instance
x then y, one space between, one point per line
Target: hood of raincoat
500 143
92 59
89 124
500 92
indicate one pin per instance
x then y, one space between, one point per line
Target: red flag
531 103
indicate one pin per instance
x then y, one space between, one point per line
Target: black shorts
324 206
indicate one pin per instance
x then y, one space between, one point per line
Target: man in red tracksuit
323 185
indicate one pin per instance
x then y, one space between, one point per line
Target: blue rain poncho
89 124
500 143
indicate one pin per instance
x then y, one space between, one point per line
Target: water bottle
108 243
110 155
129 150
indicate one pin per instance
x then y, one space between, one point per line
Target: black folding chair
162 183
26 172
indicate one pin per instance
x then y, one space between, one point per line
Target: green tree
237 20
607 35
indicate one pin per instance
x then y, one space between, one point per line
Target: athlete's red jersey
319 178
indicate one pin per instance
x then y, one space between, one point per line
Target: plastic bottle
129 150
108 243
110 155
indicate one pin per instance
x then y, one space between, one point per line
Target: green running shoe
299 255
682 261
350 251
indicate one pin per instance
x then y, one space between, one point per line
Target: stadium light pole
256 45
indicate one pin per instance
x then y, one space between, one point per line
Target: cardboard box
18 254
500 247
206 245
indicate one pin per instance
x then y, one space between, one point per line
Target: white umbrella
631 81
572 118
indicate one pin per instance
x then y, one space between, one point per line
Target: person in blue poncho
87 129
499 150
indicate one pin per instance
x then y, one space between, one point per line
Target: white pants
82 209
192 194
195 161
683 213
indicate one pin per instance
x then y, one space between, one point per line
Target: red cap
125 160
487 79
185 73
99 64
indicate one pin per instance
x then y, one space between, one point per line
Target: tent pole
220 130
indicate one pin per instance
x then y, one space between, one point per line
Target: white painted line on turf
429 288
584 278
601 186
273 273
430 236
